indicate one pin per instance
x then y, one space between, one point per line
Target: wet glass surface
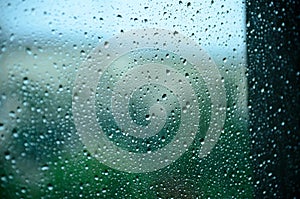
149 99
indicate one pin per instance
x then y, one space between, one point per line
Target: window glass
147 99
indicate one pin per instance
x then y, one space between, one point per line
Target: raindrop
147 117
12 114
7 155
184 109
50 187
2 127
12 37
45 167
168 72
82 52
106 44
28 51
25 80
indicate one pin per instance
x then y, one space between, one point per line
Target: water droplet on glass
45 168
28 51
106 44
7 155
2 127
50 187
